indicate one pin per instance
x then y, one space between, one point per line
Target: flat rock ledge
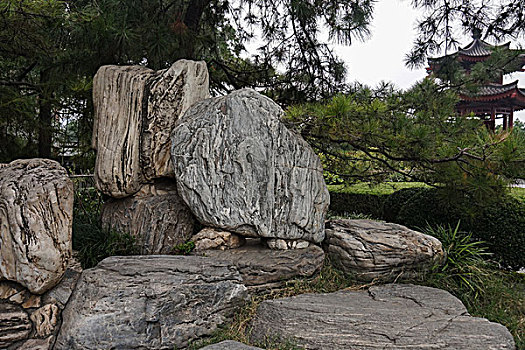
393 316
263 269
150 302
368 249
230 345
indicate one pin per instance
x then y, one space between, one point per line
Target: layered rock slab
156 216
239 169
36 213
38 317
135 110
368 249
150 302
263 269
384 317
230 345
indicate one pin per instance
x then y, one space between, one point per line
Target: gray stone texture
263 269
150 302
230 345
36 213
368 249
37 317
156 216
135 110
391 316
239 169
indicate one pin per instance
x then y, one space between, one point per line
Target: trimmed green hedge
359 203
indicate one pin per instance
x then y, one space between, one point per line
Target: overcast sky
382 56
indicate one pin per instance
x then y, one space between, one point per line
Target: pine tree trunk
192 21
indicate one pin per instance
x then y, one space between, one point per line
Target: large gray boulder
263 269
36 213
156 216
150 302
239 169
368 249
384 317
135 110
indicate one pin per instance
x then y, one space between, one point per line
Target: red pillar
504 122
492 119
511 118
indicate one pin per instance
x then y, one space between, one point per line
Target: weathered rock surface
119 94
370 249
14 324
263 269
36 213
39 316
384 317
210 238
171 92
239 169
156 216
284 244
230 345
149 302
135 110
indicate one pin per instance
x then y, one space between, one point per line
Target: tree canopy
50 50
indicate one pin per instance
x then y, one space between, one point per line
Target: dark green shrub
430 206
356 203
394 202
92 242
502 226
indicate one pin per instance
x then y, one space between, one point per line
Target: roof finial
476 33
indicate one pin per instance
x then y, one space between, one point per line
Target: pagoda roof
509 94
479 48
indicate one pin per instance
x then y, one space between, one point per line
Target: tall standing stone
36 213
118 98
239 169
171 93
135 110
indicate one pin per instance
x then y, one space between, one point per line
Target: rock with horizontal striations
210 238
150 302
135 110
14 324
263 269
239 169
36 213
230 345
156 216
384 317
370 249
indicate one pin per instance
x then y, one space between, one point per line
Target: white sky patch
381 58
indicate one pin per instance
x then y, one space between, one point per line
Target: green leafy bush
346 203
502 226
394 202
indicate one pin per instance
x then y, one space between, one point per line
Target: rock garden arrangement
225 173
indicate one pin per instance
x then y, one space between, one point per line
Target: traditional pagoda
491 101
